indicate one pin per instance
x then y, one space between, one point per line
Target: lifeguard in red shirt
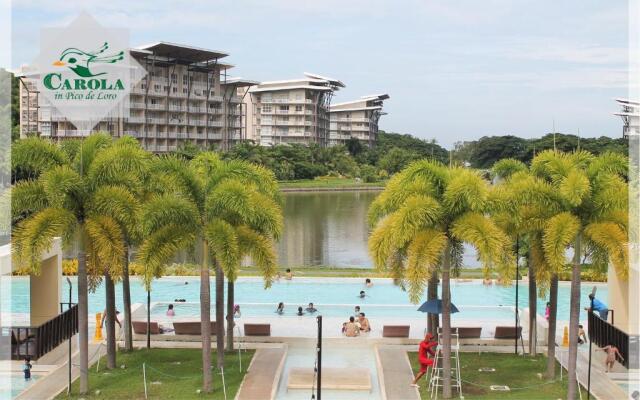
426 352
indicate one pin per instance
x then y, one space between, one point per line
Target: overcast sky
455 70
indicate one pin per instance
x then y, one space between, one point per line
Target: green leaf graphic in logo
80 61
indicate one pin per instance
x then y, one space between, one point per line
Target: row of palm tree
108 197
561 201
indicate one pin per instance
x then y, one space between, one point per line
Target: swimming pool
13 384
337 295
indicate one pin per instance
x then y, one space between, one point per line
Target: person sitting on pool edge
368 283
365 326
300 312
170 311
236 311
311 309
280 309
351 329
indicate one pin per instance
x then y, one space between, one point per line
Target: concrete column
45 290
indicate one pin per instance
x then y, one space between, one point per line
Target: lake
325 228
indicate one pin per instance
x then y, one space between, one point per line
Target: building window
266 108
174 89
156 88
184 79
284 108
174 78
298 108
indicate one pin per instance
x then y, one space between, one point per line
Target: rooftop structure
185 96
630 115
356 119
291 111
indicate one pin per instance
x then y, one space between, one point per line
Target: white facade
185 97
356 119
291 112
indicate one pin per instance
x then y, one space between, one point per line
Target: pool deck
395 374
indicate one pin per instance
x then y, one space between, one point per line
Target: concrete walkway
55 382
602 388
263 374
395 374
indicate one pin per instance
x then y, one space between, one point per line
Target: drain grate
499 388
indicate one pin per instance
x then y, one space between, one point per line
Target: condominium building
356 119
630 114
291 111
184 97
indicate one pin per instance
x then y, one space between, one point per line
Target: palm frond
484 235
574 187
558 234
27 197
423 254
614 241
261 250
223 242
107 243
34 236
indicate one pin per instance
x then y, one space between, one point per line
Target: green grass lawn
518 372
171 374
327 183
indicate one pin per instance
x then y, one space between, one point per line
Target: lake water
325 228
331 229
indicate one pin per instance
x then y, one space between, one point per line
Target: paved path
395 374
602 388
263 375
55 382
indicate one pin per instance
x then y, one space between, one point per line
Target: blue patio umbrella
435 307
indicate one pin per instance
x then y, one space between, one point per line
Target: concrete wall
620 300
45 291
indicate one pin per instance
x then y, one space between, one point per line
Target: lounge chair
399 331
257 329
465 332
507 332
192 328
140 328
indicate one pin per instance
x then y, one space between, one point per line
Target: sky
455 70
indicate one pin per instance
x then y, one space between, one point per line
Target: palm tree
67 195
229 209
593 193
521 205
122 204
421 219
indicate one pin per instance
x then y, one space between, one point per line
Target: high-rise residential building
356 119
630 115
291 111
184 97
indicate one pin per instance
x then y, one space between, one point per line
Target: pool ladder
436 378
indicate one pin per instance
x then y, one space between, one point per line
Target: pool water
334 295
13 384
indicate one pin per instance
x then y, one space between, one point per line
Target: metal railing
603 334
34 342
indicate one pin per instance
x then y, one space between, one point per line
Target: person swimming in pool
280 309
368 283
362 294
300 312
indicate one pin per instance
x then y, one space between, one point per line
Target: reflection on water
325 228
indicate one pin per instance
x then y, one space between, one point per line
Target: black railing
34 342
603 334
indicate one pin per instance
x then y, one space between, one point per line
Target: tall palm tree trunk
109 319
574 320
551 334
83 320
446 324
533 309
219 315
432 294
205 319
230 305
126 301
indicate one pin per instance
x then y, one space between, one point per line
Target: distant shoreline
331 189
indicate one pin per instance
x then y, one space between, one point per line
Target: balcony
160 121
135 120
214 136
137 105
218 124
173 107
215 98
197 110
73 133
35 342
287 101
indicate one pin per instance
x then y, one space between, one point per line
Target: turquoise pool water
337 295
13 385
